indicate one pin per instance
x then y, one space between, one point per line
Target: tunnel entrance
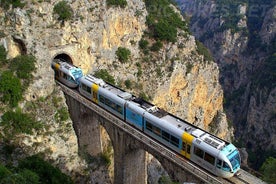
64 57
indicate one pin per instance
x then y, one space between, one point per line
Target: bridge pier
86 126
129 159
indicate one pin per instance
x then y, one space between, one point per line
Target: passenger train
206 150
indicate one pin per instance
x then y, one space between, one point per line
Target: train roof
89 79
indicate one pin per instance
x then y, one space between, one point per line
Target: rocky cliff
176 78
241 37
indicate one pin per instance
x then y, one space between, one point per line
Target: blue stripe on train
134 118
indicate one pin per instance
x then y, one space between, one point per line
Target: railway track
244 177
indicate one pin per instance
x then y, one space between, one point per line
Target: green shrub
10 89
162 21
63 10
202 50
268 169
46 172
17 122
156 46
143 44
3 55
165 31
123 54
121 3
23 65
103 74
5 4
62 114
128 84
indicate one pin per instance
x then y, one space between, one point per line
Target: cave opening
64 57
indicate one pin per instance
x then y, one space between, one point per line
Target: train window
219 162
156 130
102 99
64 76
166 136
113 105
188 149
119 109
225 167
183 146
209 158
148 126
107 102
88 89
174 141
198 152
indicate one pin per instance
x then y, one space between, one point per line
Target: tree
10 88
268 169
63 10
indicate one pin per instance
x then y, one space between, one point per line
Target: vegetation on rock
14 3
121 3
32 170
163 21
16 122
268 169
63 10
123 54
103 74
10 89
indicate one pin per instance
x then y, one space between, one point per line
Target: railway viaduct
129 151
130 145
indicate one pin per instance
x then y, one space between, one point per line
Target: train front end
229 161
66 73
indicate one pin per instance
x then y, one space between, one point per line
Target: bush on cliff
10 89
121 3
63 10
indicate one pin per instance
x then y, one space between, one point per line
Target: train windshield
76 73
235 160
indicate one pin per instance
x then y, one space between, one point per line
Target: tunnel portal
64 57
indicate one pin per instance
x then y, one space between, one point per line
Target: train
215 155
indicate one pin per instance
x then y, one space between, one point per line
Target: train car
213 154
105 95
66 73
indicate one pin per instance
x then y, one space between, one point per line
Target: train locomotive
206 150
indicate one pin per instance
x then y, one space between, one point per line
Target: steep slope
241 37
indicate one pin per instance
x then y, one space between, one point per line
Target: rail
182 162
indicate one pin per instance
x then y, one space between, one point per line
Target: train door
187 141
95 89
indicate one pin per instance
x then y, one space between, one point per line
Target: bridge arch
64 56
